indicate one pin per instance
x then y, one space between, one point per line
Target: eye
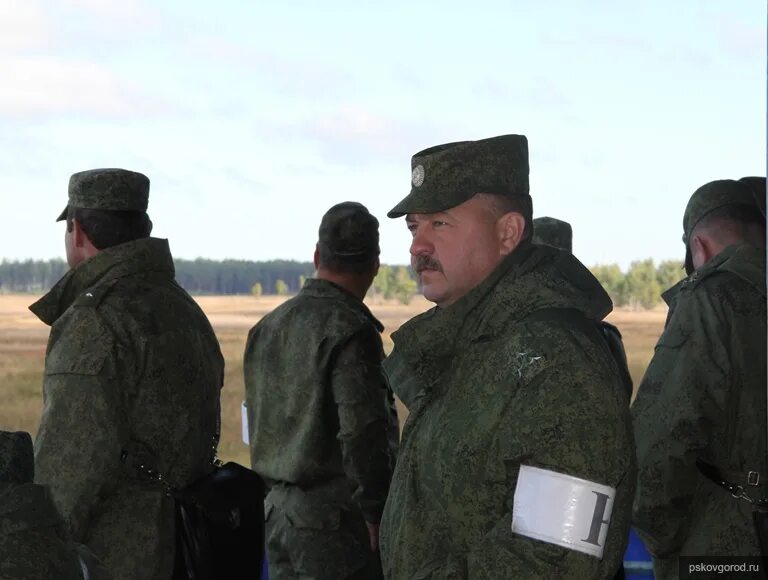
439 223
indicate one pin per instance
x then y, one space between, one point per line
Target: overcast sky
251 118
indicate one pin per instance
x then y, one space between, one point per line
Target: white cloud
23 25
128 13
49 85
353 135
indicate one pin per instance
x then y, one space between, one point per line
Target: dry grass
23 340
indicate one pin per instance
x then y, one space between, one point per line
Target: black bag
760 519
220 526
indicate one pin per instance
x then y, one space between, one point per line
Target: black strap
714 474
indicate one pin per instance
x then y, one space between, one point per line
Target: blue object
638 564
265 568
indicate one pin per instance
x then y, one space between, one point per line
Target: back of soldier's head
725 212
110 205
553 232
348 239
16 457
729 210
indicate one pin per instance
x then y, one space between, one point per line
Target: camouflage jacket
704 396
616 346
321 414
515 373
33 540
132 366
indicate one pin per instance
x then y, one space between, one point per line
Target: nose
421 244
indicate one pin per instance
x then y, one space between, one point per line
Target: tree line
639 287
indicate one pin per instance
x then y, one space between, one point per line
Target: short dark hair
343 264
108 228
741 221
504 204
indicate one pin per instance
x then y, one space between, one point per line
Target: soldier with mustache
517 458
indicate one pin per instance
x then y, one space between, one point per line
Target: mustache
426 263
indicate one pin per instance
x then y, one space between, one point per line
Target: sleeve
82 430
680 399
360 393
566 419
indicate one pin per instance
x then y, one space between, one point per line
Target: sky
252 118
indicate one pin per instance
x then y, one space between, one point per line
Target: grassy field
23 338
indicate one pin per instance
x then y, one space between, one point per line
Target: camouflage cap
447 175
712 196
110 189
758 189
553 232
17 462
349 232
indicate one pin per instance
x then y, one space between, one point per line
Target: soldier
517 458
703 396
33 541
323 427
132 376
559 234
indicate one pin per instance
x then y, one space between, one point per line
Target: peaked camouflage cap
350 232
447 175
714 195
109 189
17 461
553 232
758 189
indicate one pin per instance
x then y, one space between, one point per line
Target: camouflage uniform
704 397
323 432
559 234
553 232
33 541
516 372
132 366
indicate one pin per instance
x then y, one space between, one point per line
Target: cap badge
417 175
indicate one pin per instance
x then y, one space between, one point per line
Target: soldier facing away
133 373
517 459
323 428
559 234
703 397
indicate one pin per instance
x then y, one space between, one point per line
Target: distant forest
196 276
639 287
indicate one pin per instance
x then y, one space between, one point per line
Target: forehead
472 208
419 217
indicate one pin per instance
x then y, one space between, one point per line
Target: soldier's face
453 251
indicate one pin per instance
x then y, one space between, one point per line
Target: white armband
561 509
244 423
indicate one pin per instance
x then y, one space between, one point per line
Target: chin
432 294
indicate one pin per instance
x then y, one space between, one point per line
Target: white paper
561 509
244 423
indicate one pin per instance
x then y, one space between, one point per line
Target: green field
23 339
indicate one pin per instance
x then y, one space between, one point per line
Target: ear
702 250
376 268
316 258
509 230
